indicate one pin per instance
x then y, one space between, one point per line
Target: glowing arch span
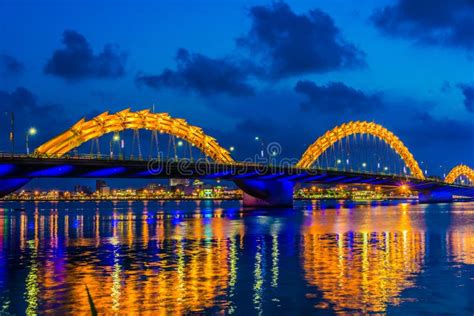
460 170
105 123
347 129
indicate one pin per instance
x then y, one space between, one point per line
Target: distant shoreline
196 199
218 199
121 199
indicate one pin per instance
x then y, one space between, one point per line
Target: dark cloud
292 44
336 97
436 22
468 92
255 127
204 75
437 141
77 60
22 100
28 112
427 127
10 65
287 44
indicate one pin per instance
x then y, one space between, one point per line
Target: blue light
6 169
52 172
241 176
336 179
293 177
149 172
316 177
272 176
351 180
107 172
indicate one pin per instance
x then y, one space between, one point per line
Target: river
214 257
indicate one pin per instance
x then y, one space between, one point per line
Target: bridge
325 161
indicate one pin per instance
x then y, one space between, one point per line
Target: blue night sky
287 71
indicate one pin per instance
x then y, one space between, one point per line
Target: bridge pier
435 196
262 193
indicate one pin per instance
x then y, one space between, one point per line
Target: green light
232 148
32 131
180 143
364 164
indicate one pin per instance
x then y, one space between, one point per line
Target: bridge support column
262 193
7 186
435 196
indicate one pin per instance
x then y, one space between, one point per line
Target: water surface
215 257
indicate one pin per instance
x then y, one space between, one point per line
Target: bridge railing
10 155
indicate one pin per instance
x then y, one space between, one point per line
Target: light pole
257 138
12 131
31 131
115 138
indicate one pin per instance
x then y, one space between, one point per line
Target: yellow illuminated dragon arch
330 137
460 170
105 123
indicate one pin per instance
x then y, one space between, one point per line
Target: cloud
336 97
290 44
436 22
440 130
28 112
77 60
203 75
10 65
445 86
285 44
468 92
21 100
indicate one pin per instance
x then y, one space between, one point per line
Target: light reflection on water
176 258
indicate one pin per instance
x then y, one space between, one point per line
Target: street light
257 138
180 143
231 148
115 138
31 131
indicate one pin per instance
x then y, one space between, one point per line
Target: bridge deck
31 167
